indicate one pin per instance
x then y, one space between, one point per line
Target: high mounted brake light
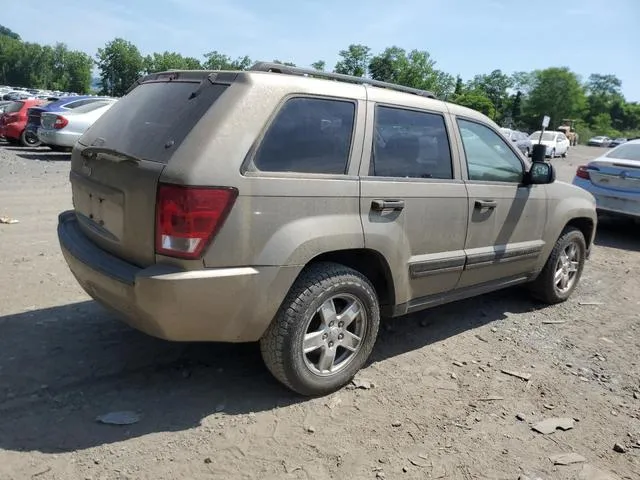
188 218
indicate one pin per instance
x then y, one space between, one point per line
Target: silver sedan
64 129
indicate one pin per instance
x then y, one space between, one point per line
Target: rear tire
27 139
328 306
561 274
564 155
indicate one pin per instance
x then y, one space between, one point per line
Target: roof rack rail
287 70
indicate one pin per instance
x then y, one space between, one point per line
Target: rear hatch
116 164
618 174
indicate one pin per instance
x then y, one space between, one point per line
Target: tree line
517 100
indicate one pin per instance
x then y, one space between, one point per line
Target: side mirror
541 173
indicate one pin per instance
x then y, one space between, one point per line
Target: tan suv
275 206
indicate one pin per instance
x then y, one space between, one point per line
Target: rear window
90 107
309 135
629 151
14 107
152 116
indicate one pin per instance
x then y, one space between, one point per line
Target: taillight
188 218
583 172
60 122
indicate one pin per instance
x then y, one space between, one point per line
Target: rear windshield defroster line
153 119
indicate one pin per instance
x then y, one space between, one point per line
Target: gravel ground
433 403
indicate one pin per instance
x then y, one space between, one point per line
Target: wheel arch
586 225
369 263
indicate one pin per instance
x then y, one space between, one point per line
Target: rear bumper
612 202
217 304
57 137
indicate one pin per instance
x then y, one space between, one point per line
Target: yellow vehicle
568 129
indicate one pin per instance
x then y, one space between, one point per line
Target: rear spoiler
221 76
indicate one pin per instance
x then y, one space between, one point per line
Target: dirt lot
440 407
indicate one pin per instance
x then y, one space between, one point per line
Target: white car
556 142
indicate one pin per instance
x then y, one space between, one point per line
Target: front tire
324 331
561 274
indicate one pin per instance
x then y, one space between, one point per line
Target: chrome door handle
379 205
490 204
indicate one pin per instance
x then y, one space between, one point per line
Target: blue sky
465 37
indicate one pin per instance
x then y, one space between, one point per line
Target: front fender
567 203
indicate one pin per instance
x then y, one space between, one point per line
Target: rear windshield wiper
93 152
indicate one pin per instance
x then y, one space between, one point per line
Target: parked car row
556 142
521 139
57 124
21 93
604 141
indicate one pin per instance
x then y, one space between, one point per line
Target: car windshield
14 107
546 136
628 151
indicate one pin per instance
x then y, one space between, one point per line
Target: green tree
218 61
11 55
459 88
120 64
354 60
516 109
604 91
524 81
477 101
9 33
599 84
602 125
557 92
161 62
494 86
287 64
319 65
415 69
78 66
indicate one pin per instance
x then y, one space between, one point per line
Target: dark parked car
521 139
62 105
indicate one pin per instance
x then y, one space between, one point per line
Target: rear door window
152 120
308 135
410 144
